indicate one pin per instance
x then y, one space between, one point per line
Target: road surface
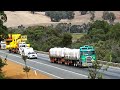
58 71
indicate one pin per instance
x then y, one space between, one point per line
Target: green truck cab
87 55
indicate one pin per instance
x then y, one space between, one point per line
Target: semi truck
84 56
28 51
14 41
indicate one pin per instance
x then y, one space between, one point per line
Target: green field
77 36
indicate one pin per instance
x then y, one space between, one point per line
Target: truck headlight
93 57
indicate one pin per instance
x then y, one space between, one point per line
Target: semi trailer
84 56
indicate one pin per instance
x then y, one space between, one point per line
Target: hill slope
25 18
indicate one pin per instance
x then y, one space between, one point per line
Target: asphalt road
58 71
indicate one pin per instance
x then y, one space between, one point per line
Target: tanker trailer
57 55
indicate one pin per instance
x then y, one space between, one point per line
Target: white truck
28 51
2 45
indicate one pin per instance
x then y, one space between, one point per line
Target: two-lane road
58 71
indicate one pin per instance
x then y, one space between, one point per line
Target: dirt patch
15 71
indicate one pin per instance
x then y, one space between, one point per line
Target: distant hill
25 18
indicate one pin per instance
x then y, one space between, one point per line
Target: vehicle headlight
93 57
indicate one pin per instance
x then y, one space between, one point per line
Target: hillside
25 18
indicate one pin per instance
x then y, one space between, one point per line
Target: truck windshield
87 53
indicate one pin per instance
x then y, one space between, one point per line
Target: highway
58 71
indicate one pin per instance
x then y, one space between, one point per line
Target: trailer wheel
74 64
68 64
9 51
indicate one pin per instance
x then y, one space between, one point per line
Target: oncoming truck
28 51
14 41
84 56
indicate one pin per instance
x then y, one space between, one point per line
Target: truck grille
88 59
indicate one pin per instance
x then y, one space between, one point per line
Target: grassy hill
25 18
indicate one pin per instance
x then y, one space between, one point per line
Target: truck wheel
76 65
80 65
9 51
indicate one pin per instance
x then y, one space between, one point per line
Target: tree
98 24
33 12
26 68
70 14
3 29
3 16
105 15
92 13
66 40
94 71
109 16
64 27
114 32
56 16
112 17
83 12
2 64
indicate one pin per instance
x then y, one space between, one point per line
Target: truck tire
80 65
9 51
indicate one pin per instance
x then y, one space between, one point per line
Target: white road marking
54 67
35 72
59 68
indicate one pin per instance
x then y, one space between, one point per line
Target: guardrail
41 52
100 61
110 63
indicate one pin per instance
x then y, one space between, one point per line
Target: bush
83 12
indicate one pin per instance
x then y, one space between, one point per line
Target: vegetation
3 29
109 16
64 27
94 72
2 64
3 34
77 35
83 12
105 38
92 13
56 16
26 68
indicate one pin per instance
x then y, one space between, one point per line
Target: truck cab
2 45
29 52
32 55
87 55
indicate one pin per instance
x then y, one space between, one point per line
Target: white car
32 55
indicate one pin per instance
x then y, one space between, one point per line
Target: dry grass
27 19
15 71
